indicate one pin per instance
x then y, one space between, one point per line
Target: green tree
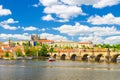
56 45
18 43
6 54
51 50
24 44
19 52
30 51
43 51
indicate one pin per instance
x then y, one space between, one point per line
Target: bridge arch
54 56
73 57
63 57
85 57
114 58
48 55
97 58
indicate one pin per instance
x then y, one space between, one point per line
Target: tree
19 52
51 50
18 43
38 44
56 45
6 54
24 44
84 48
30 51
43 51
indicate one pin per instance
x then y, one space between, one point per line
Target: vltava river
58 70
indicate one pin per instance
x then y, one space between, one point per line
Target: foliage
56 45
43 51
51 49
114 47
18 43
18 52
6 54
30 51
38 44
25 44
77 46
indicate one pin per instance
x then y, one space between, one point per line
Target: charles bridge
97 55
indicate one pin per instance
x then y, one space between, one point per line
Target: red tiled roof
85 42
64 50
0 42
45 40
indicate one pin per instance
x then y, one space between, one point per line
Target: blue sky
61 20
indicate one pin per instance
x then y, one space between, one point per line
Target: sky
61 20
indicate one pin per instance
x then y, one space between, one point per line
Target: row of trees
114 47
35 51
38 50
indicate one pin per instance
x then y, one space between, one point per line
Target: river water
58 70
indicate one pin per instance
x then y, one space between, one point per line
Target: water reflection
59 70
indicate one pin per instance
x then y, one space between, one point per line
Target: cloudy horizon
67 20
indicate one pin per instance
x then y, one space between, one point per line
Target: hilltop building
36 39
73 44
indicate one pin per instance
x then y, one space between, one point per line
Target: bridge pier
67 58
58 57
78 58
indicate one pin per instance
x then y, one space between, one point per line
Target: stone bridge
86 55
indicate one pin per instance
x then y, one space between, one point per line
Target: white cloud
112 40
94 3
105 3
99 40
26 34
48 2
48 18
94 39
43 29
63 20
77 29
4 12
30 28
15 36
106 19
64 11
9 27
105 31
5 24
61 11
80 2
53 37
86 33
9 21
36 5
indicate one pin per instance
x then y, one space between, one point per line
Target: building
86 44
37 39
73 44
45 41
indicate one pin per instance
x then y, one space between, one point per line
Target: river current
58 70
